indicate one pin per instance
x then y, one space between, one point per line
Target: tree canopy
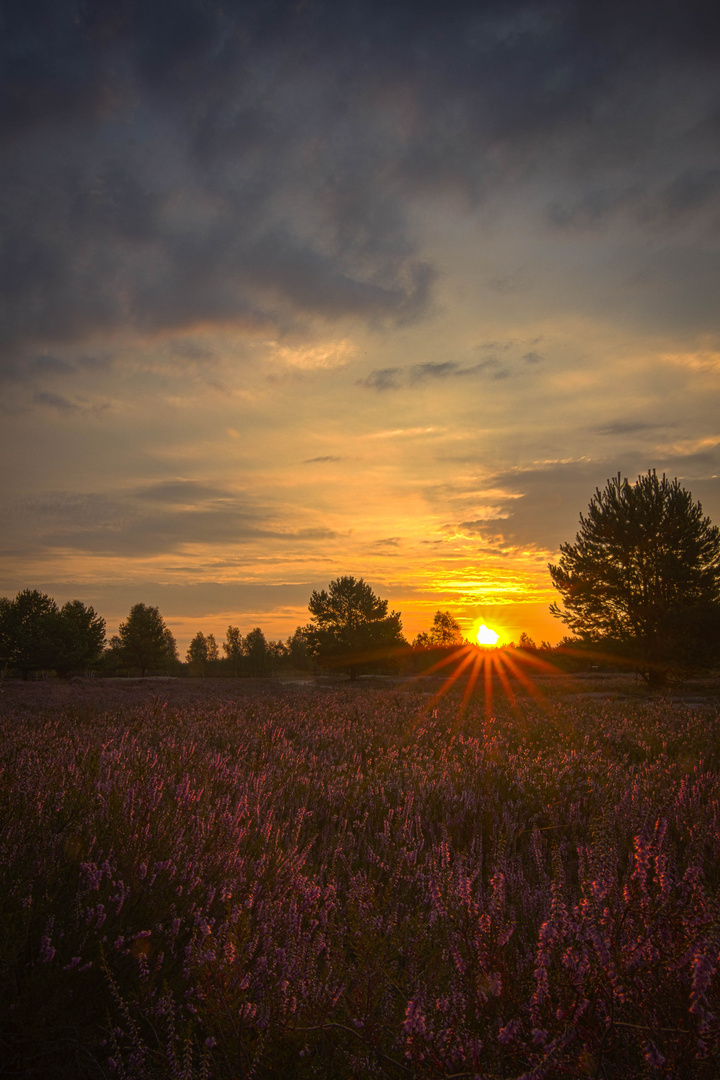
36 635
644 571
351 627
80 637
444 632
144 641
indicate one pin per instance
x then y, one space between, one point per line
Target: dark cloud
41 368
61 404
181 491
54 401
395 378
323 459
157 518
553 495
178 163
192 350
478 527
628 427
684 201
383 379
437 370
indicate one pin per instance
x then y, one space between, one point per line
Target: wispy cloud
405 433
395 378
627 427
327 354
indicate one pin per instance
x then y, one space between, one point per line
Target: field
220 880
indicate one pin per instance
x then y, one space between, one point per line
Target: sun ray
452 677
504 680
472 679
488 679
522 678
532 660
447 660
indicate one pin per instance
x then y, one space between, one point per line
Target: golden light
486 636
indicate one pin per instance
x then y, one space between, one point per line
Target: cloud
65 405
55 401
171 166
329 354
157 519
323 459
479 525
672 203
627 427
44 367
382 379
183 492
396 378
192 350
405 433
548 497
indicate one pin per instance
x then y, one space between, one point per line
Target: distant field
220 879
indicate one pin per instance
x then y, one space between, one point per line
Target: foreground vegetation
218 881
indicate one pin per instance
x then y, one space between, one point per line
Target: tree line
640 587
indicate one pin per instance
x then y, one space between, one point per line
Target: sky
298 290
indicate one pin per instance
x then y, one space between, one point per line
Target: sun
486 636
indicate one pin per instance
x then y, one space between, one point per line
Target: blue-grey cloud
183 492
395 378
173 164
162 517
629 427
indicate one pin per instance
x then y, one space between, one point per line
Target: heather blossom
305 883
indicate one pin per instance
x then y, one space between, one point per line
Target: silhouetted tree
444 631
202 654
351 627
197 654
80 638
172 660
36 635
297 647
277 656
212 649
144 641
644 567
234 649
6 646
29 631
256 651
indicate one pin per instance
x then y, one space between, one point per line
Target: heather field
220 880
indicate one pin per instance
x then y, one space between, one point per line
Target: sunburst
489 664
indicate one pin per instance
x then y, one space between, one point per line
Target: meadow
212 879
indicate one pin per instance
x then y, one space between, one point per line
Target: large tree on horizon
644 571
36 635
80 636
351 627
145 642
444 633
